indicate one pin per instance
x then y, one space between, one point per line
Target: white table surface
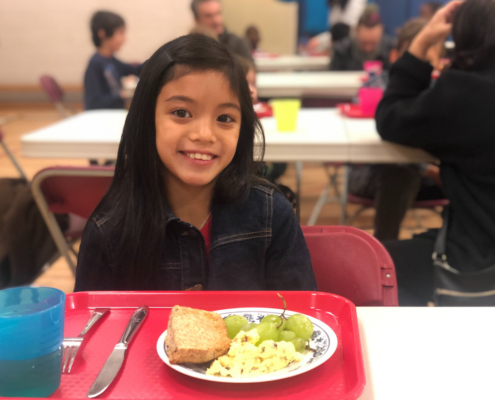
322 135
329 84
365 145
292 63
428 353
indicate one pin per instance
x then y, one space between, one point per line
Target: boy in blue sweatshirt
102 81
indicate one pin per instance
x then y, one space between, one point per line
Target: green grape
248 327
285 336
299 344
300 325
267 331
276 320
234 324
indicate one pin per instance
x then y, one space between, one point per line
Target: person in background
339 31
185 210
345 12
253 38
272 171
395 187
454 121
102 80
428 9
209 13
369 44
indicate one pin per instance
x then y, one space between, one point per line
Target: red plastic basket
145 376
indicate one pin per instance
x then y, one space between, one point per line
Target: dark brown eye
182 114
224 118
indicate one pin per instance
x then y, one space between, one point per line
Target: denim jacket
255 245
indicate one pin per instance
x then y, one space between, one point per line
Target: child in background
185 209
102 81
273 171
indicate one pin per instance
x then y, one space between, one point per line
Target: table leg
343 196
299 168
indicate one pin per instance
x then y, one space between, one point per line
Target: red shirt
206 232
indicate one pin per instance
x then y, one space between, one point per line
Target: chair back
52 88
73 190
353 264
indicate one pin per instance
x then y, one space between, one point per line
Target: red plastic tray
354 111
145 376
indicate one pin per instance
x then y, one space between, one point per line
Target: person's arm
411 113
94 271
128 69
95 97
321 42
288 264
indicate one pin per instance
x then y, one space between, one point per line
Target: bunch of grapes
296 329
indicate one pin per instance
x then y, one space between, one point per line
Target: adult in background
368 44
343 12
454 121
209 13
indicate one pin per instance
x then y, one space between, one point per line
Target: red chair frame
353 264
69 190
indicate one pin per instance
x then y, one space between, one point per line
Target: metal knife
116 359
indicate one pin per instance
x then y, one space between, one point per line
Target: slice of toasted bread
195 336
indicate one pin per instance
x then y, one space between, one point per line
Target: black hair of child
106 20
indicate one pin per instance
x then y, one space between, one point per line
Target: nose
203 131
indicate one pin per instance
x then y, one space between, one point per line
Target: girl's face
198 120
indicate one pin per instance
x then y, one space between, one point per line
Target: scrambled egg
245 360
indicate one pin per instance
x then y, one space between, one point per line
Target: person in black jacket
102 80
453 120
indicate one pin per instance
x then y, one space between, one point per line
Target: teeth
198 156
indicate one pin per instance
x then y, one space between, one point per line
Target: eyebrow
181 98
230 105
189 100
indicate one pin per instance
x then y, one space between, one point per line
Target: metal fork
70 346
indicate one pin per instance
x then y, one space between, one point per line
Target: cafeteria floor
19 119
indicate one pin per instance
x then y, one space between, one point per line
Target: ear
101 34
393 56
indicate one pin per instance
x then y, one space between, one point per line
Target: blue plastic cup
31 334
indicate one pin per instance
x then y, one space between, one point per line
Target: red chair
69 190
366 203
351 263
56 94
12 158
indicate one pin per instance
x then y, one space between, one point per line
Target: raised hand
437 30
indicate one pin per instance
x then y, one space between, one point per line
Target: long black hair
473 32
136 207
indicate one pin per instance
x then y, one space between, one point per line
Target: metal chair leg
319 205
343 197
14 161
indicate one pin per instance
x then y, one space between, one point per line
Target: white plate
323 340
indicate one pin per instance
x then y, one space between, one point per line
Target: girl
454 121
185 210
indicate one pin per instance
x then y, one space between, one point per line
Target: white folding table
329 84
292 63
322 135
428 353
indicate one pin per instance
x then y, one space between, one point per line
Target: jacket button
192 233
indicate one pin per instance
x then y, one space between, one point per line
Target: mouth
200 158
